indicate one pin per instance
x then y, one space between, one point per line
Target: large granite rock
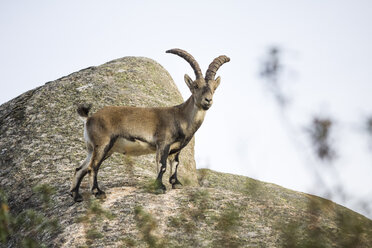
42 142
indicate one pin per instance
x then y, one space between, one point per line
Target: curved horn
214 66
195 66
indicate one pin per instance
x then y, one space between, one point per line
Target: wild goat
137 131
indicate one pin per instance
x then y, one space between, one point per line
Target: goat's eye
196 86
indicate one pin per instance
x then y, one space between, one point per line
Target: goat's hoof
76 196
160 191
99 194
177 185
160 188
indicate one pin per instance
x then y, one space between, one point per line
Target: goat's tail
83 110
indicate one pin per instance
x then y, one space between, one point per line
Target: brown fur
137 131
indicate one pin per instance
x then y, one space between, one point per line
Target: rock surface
41 144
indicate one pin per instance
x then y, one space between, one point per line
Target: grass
152 186
95 214
147 227
5 218
227 223
31 225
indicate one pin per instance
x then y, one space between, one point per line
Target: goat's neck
194 116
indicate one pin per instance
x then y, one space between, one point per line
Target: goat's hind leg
100 153
79 174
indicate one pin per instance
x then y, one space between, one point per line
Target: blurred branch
271 71
368 128
319 131
369 125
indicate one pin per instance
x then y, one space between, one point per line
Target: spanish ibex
137 131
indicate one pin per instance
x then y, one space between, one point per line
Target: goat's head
202 89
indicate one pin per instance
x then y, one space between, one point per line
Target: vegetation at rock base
152 186
5 218
30 225
147 226
227 224
241 213
94 214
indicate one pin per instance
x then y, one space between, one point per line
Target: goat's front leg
157 161
162 153
173 179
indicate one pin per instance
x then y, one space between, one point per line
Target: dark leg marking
80 172
102 155
173 179
163 160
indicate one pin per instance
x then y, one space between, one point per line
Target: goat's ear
216 82
189 82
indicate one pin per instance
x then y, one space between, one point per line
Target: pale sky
326 48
